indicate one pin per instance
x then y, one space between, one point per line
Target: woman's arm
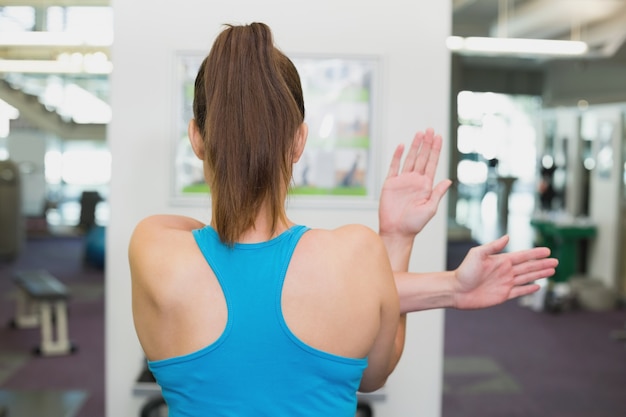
485 278
374 268
408 199
159 246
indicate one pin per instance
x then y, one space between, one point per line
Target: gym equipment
42 302
88 202
156 407
11 220
95 246
364 410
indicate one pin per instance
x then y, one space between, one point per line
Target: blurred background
537 133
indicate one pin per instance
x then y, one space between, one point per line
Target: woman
252 314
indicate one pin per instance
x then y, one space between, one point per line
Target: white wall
408 36
605 200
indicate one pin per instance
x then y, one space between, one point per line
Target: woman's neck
262 231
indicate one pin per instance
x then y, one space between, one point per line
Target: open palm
408 200
487 276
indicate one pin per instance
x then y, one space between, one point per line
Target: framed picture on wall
337 166
188 184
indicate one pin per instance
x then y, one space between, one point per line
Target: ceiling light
54 67
66 39
515 46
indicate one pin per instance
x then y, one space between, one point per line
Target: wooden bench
42 302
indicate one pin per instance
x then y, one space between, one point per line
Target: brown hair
248 107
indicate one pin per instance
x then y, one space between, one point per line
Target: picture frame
338 166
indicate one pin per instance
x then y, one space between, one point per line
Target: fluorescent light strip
53 39
53 67
516 46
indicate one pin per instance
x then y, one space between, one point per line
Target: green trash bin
563 237
543 235
567 239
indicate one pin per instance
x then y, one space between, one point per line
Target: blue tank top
257 367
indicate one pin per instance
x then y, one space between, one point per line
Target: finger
433 157
521 256
409 162
495 246
394 167
440 189
533 265
424 153
437 194
523 290
534 276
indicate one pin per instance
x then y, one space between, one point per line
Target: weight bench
42 302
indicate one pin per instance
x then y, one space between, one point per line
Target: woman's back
333 293
251 312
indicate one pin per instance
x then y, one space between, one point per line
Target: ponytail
248 114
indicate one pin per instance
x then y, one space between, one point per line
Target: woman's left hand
408 200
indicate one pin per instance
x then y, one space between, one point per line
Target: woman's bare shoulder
351 243
162 229
161 222
160 243
348 232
